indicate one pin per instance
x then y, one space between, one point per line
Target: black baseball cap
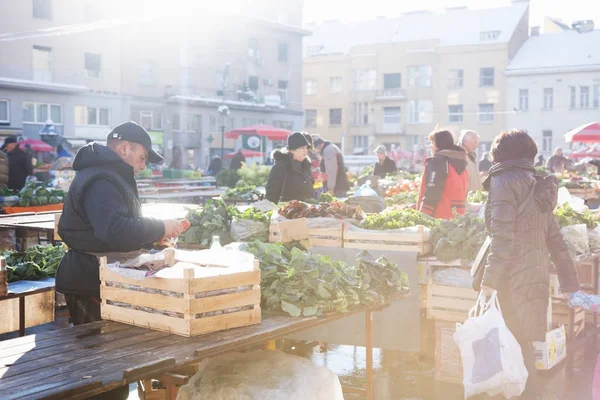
133 132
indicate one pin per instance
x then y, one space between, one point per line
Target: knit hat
9 140
380 149
297 140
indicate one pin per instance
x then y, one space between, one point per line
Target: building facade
393 80
552 92
168 71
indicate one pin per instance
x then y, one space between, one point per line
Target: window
486 113
547 141
282 90
282 53
310 87
4 112
193 122
335 84
420 111
176 122
313 50
42 64
488 36
455 79
335 116
548 98
288 125
412 141
486 77
455 113
361 113
42 9
91 116
364 79
92 65
573 97
584 96
392 115
150 120
146 119
523 99
252 47
253 83
310 118
419 76
146 73
596 96
360 143
213 123
37 113
392 83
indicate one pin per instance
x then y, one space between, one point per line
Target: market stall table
78 362
40 222
22 289
197 196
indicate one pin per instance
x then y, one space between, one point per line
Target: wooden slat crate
318 237
426 266
449 303
448 364
40 310
584 193
417 241
560 316
179 305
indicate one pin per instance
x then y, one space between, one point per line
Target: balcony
390 129
390 94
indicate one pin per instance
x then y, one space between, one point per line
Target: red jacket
444 184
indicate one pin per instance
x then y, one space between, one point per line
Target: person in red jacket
444 183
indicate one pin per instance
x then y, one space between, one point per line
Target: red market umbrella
38 146
588 133
270 132
593 152
247 154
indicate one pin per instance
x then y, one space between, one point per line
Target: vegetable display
211 220
404 198
567 216
254 175
37 262
227 178
459 239
251 214
477 196
304 284
396 218
297 209
323 198
243 193
39 194
402 188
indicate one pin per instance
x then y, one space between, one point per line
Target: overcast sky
344 10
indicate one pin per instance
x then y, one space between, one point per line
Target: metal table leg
22 316
369 350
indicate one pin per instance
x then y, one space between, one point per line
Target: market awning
270 132
592 152
588 133
246 154
36 145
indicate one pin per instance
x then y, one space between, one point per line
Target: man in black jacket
384 164
19 164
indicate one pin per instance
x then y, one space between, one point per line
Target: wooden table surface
183 195
89 359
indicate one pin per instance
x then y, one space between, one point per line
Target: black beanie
296 140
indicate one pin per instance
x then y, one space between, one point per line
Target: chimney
583 26
535 31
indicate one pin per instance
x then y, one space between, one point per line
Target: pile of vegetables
304 284
254 175
39 194
37 262
212 220
243 193
459 239
477 196
567 216
402 188
227 178
323 198
250 214
297 209
405 198
396 218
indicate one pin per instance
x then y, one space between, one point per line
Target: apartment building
554 84
169 71
392 80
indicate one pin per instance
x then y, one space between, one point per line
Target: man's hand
173 228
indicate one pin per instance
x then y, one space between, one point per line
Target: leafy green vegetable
243 192
403 198
37 262
396 218
254 175
567 216
459 239
477 196
227 178
212 220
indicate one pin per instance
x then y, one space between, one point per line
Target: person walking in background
19 164
237 160
485 164
557 164
291 176
469 140
445 180
61 152
332 164
384 164
525 242
541 161
215 166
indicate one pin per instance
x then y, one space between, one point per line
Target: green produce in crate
37 262
459 239
227 178
254 175
24 202
567 216
396 218
477 196
212 220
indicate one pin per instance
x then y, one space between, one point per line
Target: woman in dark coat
216 165
291 176
524 247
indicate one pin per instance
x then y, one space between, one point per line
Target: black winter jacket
524 247
387 167
101 214
289 179
19 168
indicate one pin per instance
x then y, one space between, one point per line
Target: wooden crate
40 310
584 193
449 303
318 237
145 302
560 316
426 266
448 364
417 241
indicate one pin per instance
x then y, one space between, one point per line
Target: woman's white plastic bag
491 356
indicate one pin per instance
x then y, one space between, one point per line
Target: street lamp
224 113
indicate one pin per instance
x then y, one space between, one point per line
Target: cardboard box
552 351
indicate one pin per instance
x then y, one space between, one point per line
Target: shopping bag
491 356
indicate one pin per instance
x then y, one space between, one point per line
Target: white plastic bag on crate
577 239
261 375
491 356
576 203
